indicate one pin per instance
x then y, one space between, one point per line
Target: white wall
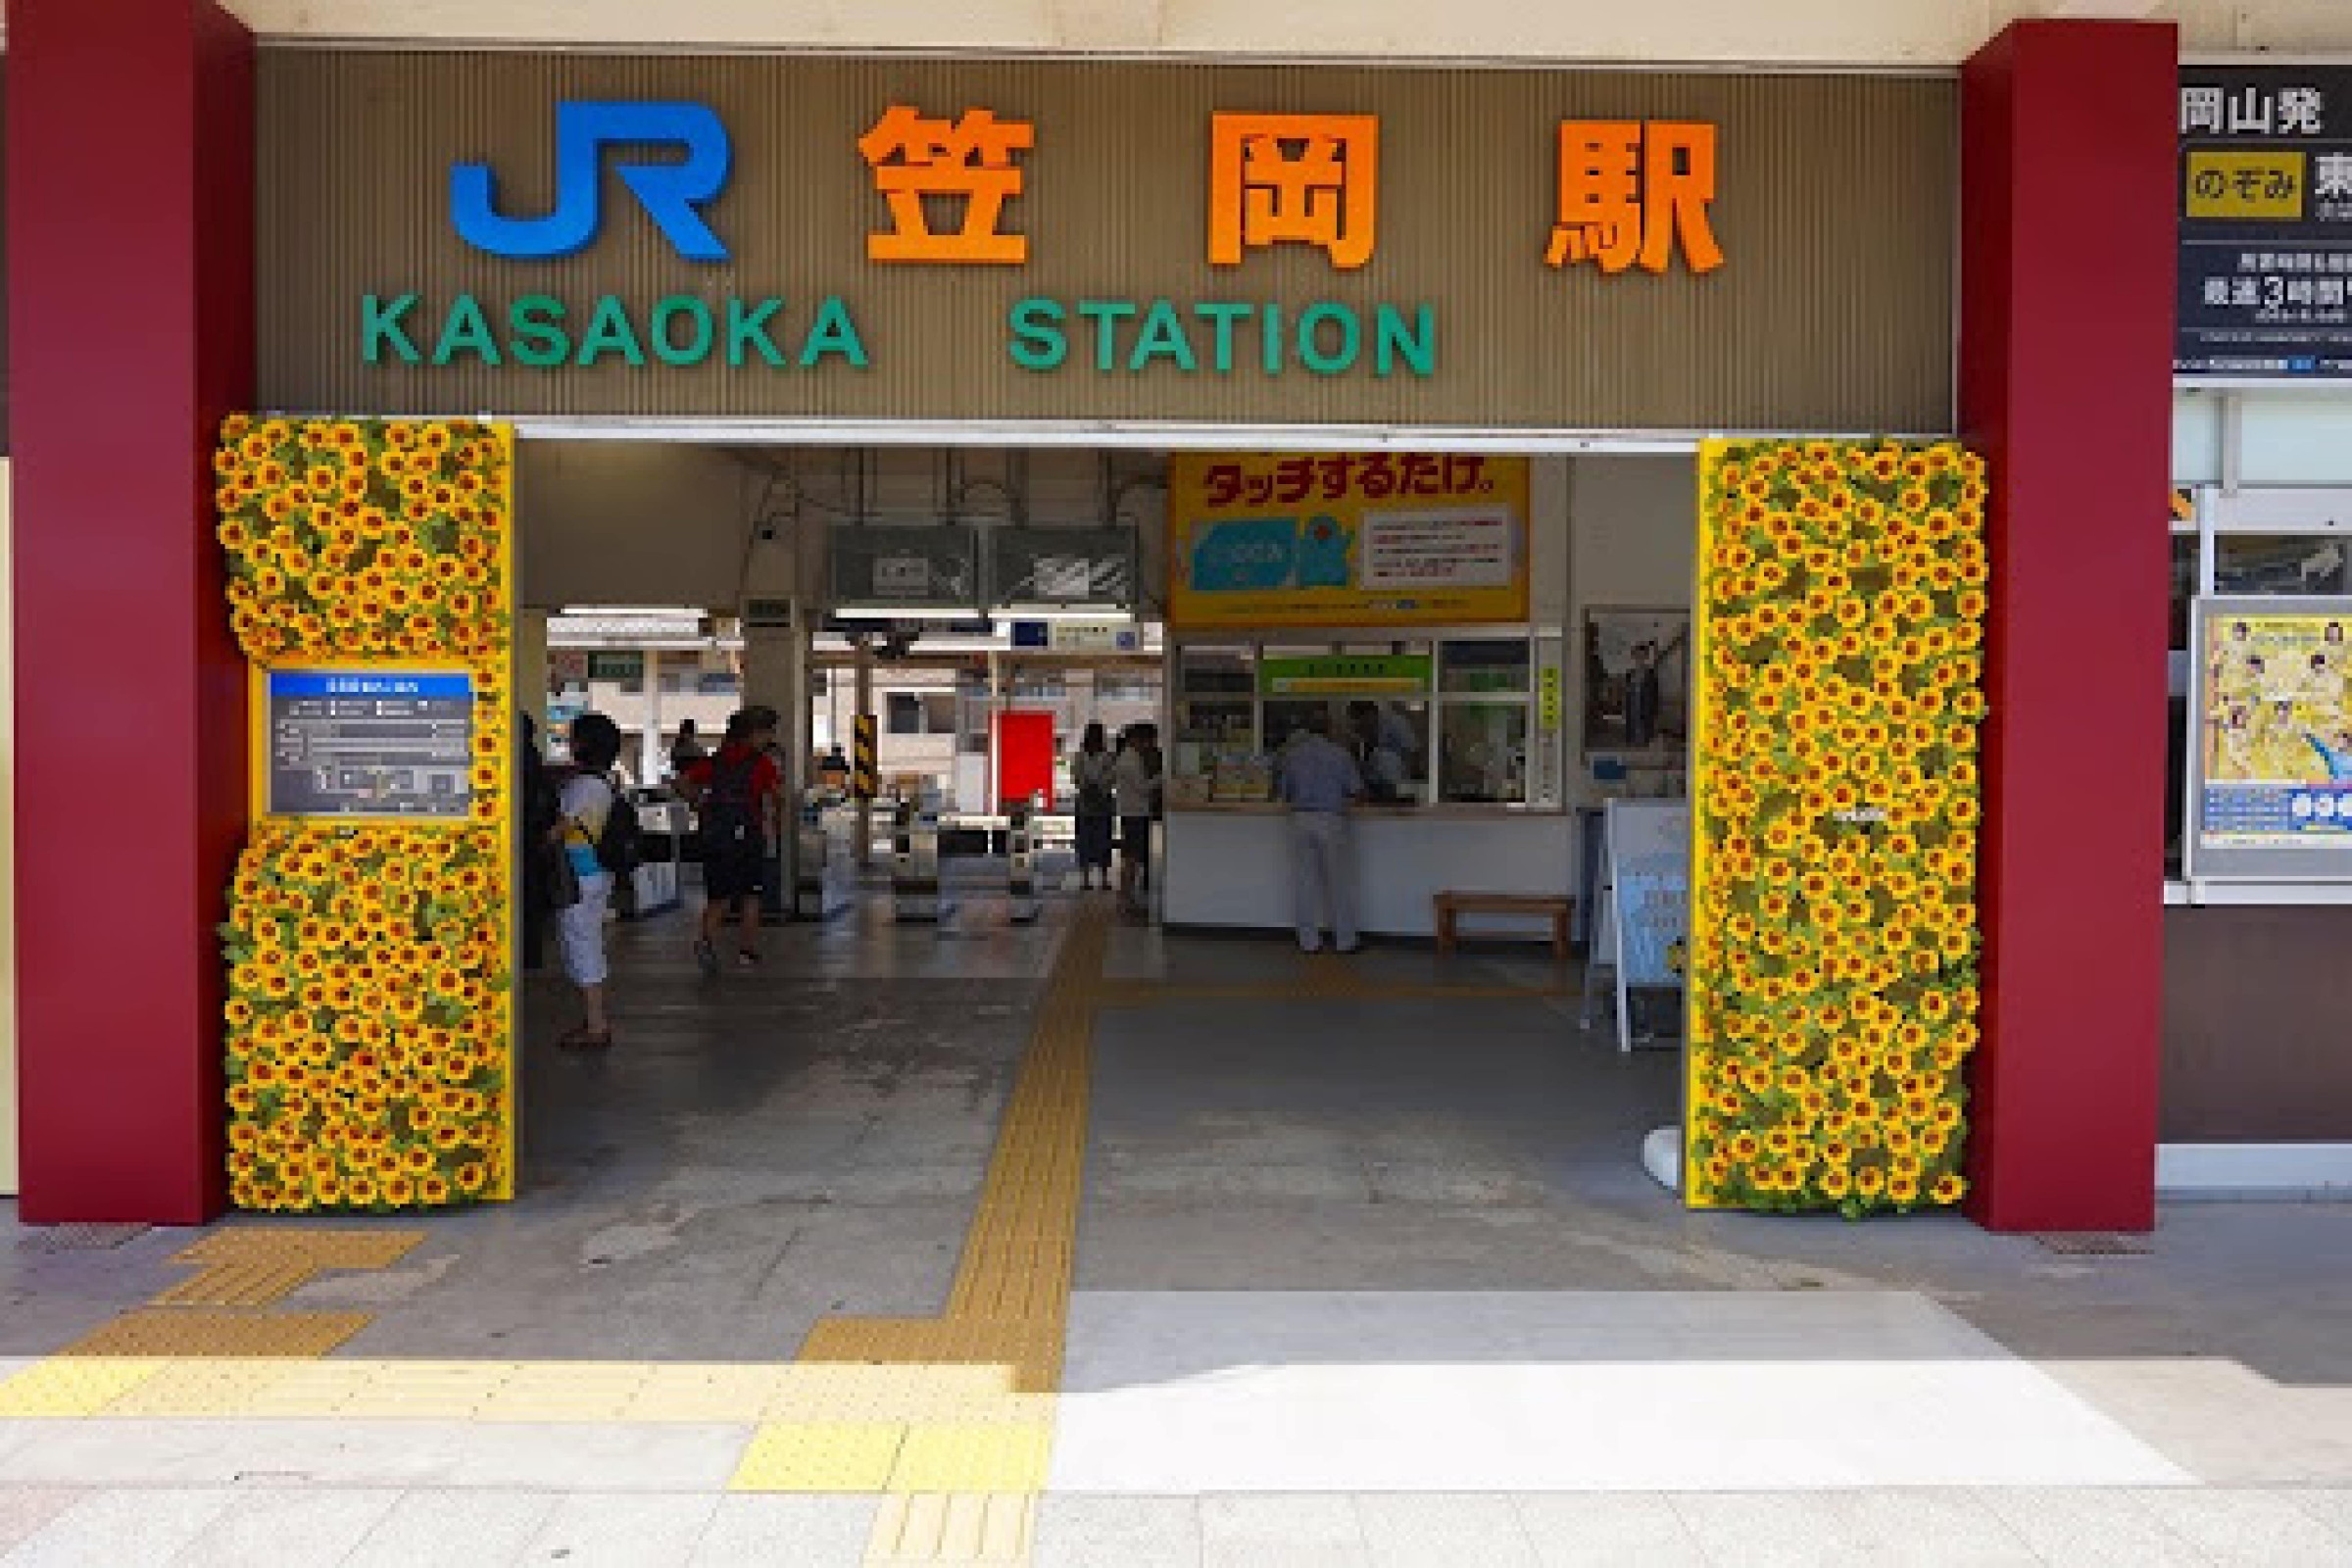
1881 32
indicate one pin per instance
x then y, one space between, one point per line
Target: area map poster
2274 750
2265 221
1345 539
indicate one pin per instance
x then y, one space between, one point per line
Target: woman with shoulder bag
1092 773
586 805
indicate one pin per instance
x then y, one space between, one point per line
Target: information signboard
2265 221
2271 767
373 742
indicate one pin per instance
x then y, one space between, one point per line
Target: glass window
1487 666
2176 784
2184 587
905 714
2278 564
1482 753
1286 717
939 712
1390 738
1216 696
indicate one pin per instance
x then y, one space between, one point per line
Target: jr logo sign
671 192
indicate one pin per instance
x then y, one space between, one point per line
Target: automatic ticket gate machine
1020 860
916 890
821 877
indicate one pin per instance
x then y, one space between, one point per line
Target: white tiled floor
1209 1392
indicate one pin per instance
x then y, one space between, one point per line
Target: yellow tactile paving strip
990 1528
321 1249
166 1331
952 1417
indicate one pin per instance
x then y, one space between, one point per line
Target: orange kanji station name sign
969 159
1309 180
1635 192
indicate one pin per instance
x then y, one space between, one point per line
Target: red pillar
131 301
2067 170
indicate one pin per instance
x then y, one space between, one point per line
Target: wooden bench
1452 904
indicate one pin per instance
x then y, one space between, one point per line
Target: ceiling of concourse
607 522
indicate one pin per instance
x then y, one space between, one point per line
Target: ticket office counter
1458 735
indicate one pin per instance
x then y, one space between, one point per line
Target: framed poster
1637 680
2271 764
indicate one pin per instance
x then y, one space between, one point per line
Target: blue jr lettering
670 192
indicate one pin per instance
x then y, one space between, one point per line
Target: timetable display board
2271 767
375 744
2265 222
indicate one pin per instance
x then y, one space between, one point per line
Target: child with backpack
590 831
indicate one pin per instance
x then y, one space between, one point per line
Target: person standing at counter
1319 782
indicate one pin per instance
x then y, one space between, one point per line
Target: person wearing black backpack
589 810
734 795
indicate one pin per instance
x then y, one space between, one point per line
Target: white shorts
582 930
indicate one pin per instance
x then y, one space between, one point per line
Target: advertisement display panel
2271 765
2266 223
1371 539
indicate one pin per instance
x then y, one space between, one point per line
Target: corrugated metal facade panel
1836 209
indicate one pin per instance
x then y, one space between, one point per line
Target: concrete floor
1319 1202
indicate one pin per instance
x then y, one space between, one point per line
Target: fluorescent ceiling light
908 612
1065 612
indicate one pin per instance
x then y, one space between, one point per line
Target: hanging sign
621 667
1371 539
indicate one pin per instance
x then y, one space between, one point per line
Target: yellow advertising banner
1345 539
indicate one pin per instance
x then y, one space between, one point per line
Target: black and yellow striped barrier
866 773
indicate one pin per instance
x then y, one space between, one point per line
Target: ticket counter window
1448 722
1486 685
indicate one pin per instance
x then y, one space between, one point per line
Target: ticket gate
917 891
821 877
1020 862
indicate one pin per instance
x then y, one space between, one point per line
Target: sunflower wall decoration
370 1012
1833 956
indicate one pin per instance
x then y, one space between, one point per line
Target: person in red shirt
735 795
